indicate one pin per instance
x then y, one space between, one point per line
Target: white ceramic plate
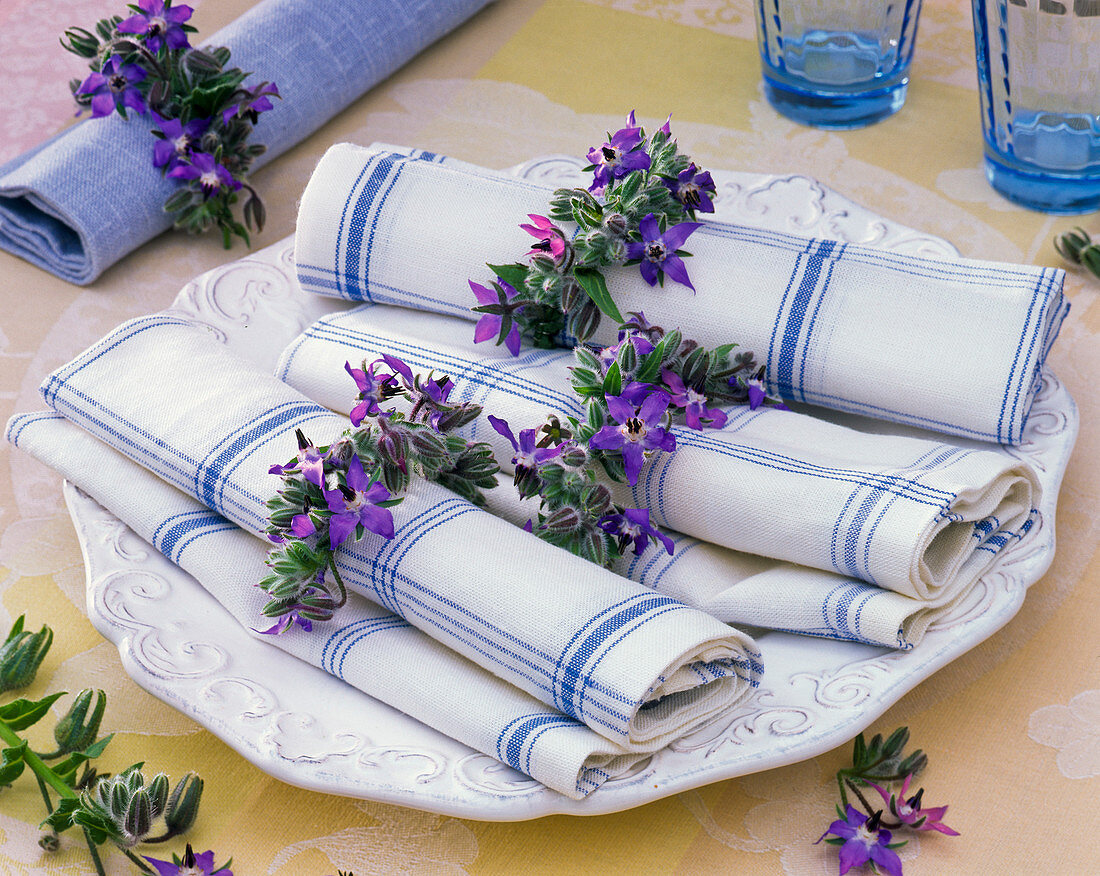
310 729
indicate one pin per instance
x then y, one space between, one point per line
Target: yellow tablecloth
526 78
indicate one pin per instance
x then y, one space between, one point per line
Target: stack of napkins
631 668
82 200
920 519
952 346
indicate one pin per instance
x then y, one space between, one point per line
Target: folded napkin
637 667
743 589
373 650
918 517
79 202
954 346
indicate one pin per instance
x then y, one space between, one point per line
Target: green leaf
595 287
514 275
613 381
22 713
650 365
11 763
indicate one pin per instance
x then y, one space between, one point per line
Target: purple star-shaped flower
528 457
694 403
637 430
114 87
491 325
357 503
373 390
551 238
620 155
909 811
201 864
693 189
259 102
211 174
310 462
865 840
757 390
159 22
175 148
657 251
633 526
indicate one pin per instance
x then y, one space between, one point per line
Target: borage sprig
637 211
867 835
1077 247
330 493
125 810
633 391
200 109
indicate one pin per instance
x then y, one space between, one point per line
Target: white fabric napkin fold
636 667
921 518
954 346
370 648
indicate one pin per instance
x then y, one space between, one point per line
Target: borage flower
864 840
114 87
657 252
356 503
633 526
528 457
909 811
757 390
259 102
694 403
497 311
201 864
373 390
310 462
160 23
693 189
551 238
620 155
210 173
637 430
175 148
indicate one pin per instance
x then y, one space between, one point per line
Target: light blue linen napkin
82 200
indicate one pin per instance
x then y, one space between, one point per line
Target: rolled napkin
918 517
743 589
637 667
367 646
60 203
952 346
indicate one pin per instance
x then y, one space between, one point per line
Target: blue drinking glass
836 63
1039 78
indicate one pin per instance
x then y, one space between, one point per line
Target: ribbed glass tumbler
836 63
1039 78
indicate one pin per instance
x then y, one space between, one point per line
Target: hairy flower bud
158 793
563 520
21 654
616 223
78 729
139 816
573 455
585 321
627 358
599 500
183 804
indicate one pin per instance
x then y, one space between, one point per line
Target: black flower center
117 82
655 251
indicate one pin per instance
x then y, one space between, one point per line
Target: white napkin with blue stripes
953 346
922 518
368 647
637 667
82 200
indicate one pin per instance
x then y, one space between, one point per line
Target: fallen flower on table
191 864
866 836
